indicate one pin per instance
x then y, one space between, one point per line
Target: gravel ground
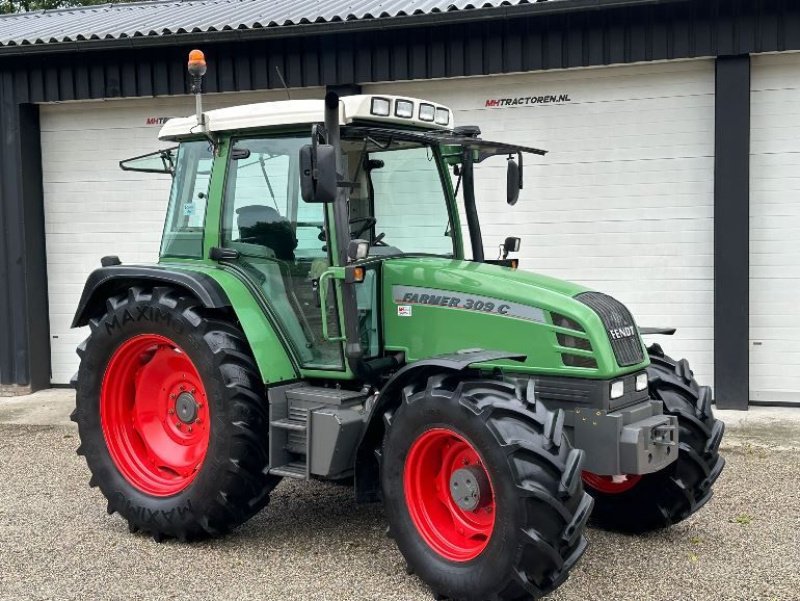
313 542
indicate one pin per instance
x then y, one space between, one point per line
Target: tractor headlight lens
380 107
442 116
641 381
404 109
617 389
427 112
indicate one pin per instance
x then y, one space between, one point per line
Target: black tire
667 497
541 509
230 485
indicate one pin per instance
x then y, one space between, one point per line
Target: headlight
442 116
617 389
641 381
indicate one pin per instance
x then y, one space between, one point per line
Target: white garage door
775 229
623 202
92 208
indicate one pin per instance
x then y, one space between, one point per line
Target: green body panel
432 330
269 349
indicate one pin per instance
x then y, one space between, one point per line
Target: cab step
337 419
289 424
296 470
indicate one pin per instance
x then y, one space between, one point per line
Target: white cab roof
298 112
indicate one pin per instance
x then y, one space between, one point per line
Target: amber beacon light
197 63
197 69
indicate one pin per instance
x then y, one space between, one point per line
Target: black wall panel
732 233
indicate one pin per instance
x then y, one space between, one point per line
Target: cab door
281 244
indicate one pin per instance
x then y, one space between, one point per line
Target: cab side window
186 216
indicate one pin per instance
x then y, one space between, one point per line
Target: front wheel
171 417
637 504
482 491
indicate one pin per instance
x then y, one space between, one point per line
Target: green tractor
315 314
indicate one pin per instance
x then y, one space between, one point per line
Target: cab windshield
399 200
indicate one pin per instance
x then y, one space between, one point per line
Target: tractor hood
436 306
530 289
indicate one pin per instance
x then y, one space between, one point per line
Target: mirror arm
521 179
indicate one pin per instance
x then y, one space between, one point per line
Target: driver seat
265 226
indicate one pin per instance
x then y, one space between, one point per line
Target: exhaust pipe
353 350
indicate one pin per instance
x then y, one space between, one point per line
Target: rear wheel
636 504
482 491
172 422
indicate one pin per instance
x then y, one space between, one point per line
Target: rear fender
214 289
108 281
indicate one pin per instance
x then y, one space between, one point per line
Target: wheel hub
469 488
187 408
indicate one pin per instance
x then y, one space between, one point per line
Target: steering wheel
364 223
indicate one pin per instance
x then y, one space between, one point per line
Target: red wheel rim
612 485
452 531
154 415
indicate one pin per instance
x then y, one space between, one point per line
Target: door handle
223 254
323 294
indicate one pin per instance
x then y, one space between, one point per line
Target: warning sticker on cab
407 296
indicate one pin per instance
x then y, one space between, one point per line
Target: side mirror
318 179
513 182
511 245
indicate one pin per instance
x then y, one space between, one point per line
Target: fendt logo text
619 333
527 100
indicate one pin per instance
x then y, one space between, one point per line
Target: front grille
619 324
573 342
565 322
577 361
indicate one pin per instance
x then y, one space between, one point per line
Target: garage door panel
612 247
775 229
611 244
673 79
